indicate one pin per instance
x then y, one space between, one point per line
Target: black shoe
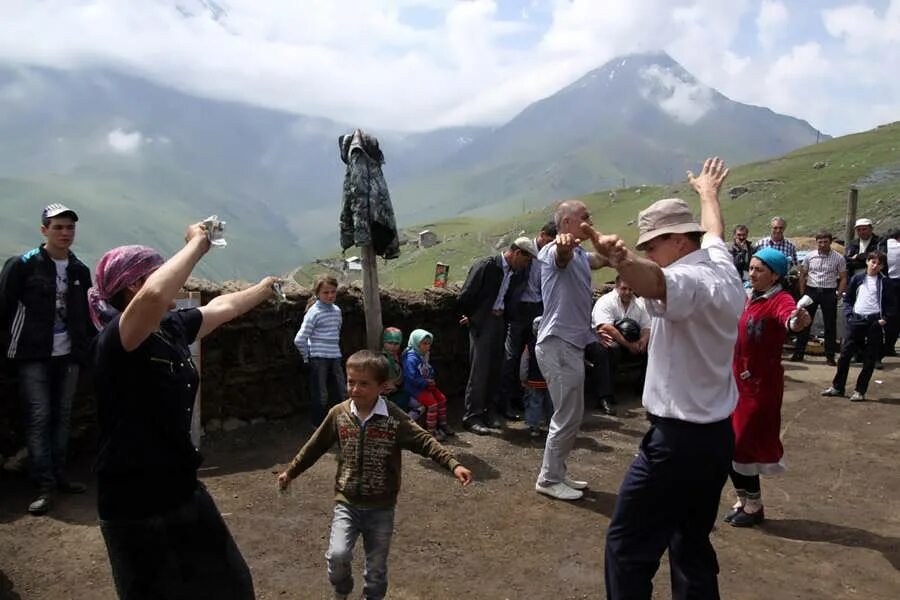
796 357
41 505
744 519
493 422
476 428
830 361
71 487
512 415
731 514
608 406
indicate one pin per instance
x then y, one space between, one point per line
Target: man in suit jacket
493 284
866 241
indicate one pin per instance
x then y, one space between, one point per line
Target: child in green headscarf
391 340
418 379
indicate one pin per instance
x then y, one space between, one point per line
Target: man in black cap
493 284
45 328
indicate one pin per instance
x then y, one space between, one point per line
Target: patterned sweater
369 462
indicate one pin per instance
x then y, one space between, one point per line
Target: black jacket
852 250
476 299
885 301
28 306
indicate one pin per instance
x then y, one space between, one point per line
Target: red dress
760 383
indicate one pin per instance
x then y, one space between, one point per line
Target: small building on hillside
427 238
352 263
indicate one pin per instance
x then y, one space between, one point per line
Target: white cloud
771 22
382 65
124 142
686 101
861 28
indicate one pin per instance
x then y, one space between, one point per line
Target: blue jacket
415 372
885 302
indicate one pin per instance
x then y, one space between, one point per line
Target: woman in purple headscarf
163 532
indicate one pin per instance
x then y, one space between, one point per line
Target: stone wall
250 366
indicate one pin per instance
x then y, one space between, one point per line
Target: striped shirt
824 270
320 333
785 246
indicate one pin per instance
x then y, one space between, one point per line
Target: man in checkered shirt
823 277
778 241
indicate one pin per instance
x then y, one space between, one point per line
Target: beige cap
524 243
863 222
671 215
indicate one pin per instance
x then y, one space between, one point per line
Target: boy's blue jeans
47 388
327 386
377 527
537 406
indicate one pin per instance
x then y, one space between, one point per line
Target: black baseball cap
57 210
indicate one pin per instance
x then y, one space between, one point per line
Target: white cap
863 222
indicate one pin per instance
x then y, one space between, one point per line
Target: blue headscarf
773 259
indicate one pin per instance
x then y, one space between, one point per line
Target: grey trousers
562 365
485 366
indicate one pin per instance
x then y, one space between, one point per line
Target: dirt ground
833 528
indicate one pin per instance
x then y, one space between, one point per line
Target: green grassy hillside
809 198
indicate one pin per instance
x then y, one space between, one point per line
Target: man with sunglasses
670 496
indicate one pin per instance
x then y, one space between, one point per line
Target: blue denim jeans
537 406
47 388
377 528
186 552
327 386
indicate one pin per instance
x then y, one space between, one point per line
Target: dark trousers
184 553
600 374
825 298
47 388
669 499
485 365
327 386
518 334
865 335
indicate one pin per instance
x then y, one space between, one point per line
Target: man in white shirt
670 495
890 247
613 346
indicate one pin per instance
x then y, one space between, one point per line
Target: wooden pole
371 298
852 203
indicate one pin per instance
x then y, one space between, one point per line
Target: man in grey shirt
565 331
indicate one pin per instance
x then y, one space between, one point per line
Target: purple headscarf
117 269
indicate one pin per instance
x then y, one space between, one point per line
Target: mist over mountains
139 160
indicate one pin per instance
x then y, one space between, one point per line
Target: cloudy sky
421 64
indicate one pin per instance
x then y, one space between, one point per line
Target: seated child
418 379
394 390
536 397
368 478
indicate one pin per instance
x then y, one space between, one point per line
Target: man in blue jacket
45 329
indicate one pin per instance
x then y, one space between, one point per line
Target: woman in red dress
769 313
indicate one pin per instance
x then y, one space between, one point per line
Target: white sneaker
857 397
575 484
560 491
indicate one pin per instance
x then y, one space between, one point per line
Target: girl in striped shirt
319 343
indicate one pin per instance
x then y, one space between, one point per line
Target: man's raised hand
711 175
